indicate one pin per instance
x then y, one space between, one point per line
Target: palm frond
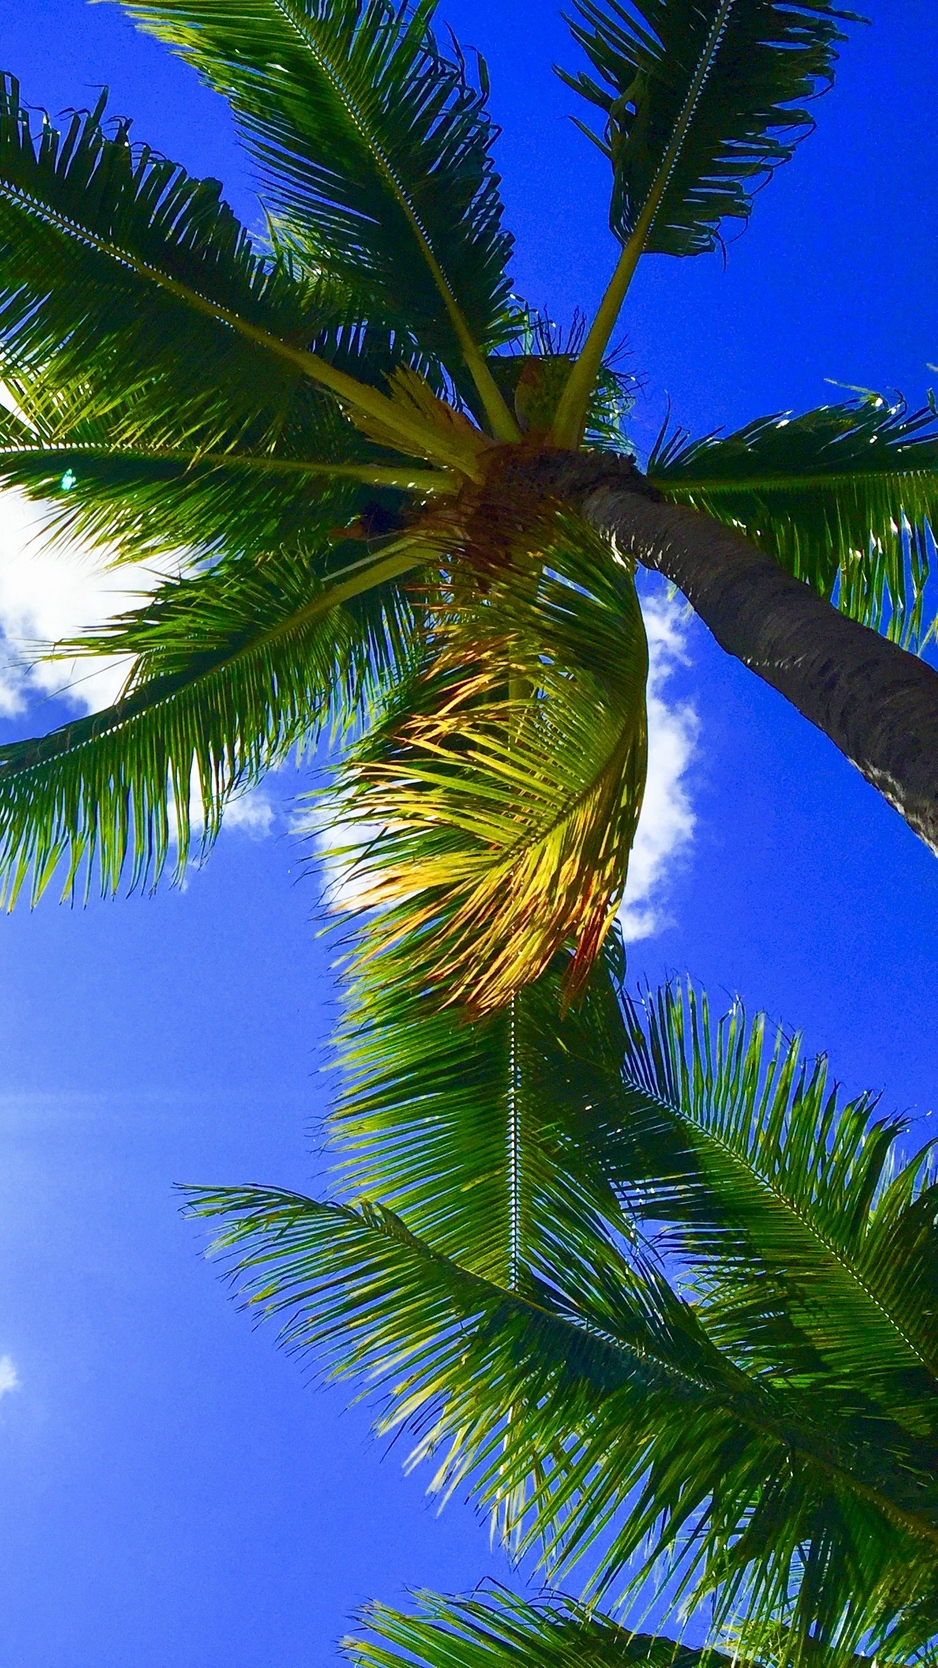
703 99
375 150
137 503
496 1628
124 279
79 213
808 1255
811 1239
508 779
844 497
594 1405
474 1133
232 668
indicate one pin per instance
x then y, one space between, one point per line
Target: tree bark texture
876 702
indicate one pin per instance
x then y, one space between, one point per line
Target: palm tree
649 1290
403 502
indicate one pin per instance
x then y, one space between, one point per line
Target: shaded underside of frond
375 150
94 235
137 503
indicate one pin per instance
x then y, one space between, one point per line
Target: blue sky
172 1491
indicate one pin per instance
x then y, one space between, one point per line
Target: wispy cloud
9 1379
667 822
252 813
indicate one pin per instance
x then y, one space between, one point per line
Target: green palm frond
702 100
496 1628
844 497
138 503
591 1407
376 154
508 777
474 1133
812 1239
232 669
81 216
122 279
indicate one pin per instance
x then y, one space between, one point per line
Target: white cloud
341 843
667 821
9 1379
51 590
252 813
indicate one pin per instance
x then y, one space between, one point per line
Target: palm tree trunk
876 702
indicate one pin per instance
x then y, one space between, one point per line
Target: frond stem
570 418
429 481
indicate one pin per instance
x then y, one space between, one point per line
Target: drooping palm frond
375 151
593 1406
508 779
496 1628
478 1134
702 99
844 497
232 668
810 1235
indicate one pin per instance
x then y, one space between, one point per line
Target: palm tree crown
342 430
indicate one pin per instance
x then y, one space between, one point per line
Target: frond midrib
148 698
457 318
703 69
782 1199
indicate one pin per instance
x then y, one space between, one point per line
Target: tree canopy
642 1282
